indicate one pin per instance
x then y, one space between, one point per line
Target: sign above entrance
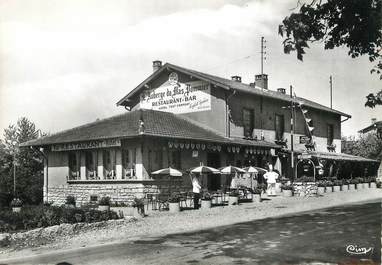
86 145
178 97
304 139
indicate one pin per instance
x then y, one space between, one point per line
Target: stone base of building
118 192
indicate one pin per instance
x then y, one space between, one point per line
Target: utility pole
292 131
263 52
331 92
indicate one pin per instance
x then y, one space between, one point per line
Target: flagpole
292 131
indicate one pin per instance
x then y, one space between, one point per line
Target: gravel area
162 223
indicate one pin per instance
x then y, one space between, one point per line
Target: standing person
271 178
196 190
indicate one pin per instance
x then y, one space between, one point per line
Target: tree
356 24
29 163
368 145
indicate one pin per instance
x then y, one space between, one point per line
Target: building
374 127
181 118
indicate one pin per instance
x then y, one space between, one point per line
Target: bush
337 182
42 216
105 201
234 193
321 183
286 187
71 200
305 179
206 196
16 202
354 181
5 199
257 191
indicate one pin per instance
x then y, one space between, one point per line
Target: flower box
16 209
320 190
345 187
206 204
256 198
373 185
329 189
365 185
233 200
336 188
359 186
352 186
174 207
287 193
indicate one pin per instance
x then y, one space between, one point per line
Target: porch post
100 164
118 162
83 166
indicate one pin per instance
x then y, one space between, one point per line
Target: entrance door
213 180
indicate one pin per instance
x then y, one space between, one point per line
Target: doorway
213 180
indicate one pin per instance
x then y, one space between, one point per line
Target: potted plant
287 190
16 204
206 200
345 185
257 194
104 204
353 183
233 198
321 187
70 201
373 182
337 185
173 203
329 186
139 205
366 183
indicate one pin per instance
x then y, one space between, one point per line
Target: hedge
42 216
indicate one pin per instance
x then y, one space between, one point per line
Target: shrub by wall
42 216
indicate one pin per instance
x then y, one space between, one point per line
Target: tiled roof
374 126
156 123
229 84
338 156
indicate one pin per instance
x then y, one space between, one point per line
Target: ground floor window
109 163
175 159
91 164
74 165
128 163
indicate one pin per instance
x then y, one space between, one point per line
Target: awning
335 156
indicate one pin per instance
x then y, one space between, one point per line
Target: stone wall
299 188
118 192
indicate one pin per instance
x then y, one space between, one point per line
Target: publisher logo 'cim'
357 250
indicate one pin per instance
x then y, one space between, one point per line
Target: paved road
318 236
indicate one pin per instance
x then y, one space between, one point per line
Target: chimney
373 120
281 90
157 65
261 81
236 78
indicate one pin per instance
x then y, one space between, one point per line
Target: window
330 134
128 163
175 159
91 164
109 163
279 126
248 122
74 165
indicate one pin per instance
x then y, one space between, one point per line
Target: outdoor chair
162 201
151 199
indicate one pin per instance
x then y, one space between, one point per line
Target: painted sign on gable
178 97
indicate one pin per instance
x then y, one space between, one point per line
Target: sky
66 63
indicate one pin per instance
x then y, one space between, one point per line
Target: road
324 236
